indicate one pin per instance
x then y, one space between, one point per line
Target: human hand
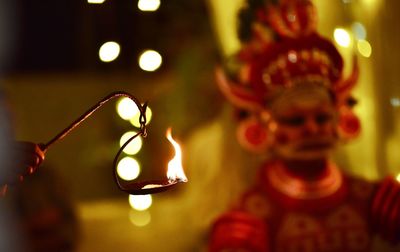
24 159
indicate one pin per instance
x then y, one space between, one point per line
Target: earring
253 135
349 124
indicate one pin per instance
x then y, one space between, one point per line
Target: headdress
281 49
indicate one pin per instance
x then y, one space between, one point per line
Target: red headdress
283 50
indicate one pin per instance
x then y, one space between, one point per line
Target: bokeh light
109 51
364 48
139 218
371 7
150 60
148 5
126 108
359 30
96 1
398 178
135 118
134 146
395 101
342 37
128 168
140 202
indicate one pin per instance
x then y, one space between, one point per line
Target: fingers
24 160
3 190
29 153
28 156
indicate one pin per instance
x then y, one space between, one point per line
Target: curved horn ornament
237 94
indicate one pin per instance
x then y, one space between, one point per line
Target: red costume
285 213
298 105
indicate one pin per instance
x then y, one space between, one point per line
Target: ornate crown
283 49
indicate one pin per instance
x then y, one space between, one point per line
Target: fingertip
3 190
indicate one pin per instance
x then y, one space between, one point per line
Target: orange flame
175 169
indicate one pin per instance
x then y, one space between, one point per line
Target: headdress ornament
281 49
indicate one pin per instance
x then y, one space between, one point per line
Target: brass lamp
137 188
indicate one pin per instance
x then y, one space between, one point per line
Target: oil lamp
175 172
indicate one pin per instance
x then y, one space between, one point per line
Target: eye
322 118
292 121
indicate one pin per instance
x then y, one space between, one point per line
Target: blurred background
58 58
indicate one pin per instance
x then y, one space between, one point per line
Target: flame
175 169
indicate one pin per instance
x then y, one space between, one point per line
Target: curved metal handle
73 125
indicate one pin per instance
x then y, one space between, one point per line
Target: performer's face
305 124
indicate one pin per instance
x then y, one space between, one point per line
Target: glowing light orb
148 5
139 218
134 146
127 109
140 202
395 101
109 51
359 30
135 118
150 60
398 178
364 48
342 37
128 168
96 1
